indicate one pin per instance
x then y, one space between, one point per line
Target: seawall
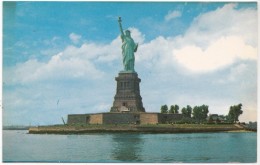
163 128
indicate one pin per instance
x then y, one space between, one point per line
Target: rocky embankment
161 128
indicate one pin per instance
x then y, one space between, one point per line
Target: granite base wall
78 119
95 119
123 118
149 118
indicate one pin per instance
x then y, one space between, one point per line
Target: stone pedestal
127 98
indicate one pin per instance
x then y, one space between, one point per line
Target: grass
143 125
153 128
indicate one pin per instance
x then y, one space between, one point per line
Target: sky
62 58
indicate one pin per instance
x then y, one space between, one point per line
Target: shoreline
162 128
238 131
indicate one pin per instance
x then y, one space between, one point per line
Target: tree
186 111
164 109
200 113
229 119
205 111
234 112
189 110
174 109
196 113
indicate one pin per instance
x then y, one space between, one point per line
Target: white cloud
73 62
210 43
57 68
137 35
156 54
219 54
217 39
172 15
75 38
225 21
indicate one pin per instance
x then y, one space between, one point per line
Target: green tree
176 109
164 109
229 119
172 109
205 111
189 110
200 113
234 112
196 112
231 114
186 111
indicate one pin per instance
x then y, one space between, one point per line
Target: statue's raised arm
120 25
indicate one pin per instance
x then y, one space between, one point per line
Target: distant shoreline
162 128
16 127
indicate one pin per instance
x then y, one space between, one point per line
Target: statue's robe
128 49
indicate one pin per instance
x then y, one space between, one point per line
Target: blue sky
61 58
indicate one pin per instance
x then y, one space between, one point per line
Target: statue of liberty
128 48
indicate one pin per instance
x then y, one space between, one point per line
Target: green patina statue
128 48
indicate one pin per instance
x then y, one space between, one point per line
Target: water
18 146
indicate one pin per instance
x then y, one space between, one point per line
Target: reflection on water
127 147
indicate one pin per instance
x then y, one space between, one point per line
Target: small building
215 118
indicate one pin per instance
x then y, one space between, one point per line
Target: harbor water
19 146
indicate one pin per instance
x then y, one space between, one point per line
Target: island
127 114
